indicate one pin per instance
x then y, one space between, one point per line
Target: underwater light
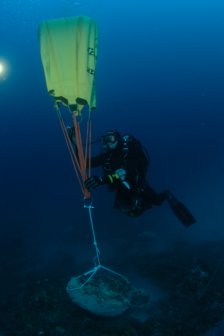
3 69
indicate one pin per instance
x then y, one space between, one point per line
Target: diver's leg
151 197
180 210
122 202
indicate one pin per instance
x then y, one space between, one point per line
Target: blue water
160 76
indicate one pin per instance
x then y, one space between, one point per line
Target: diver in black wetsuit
125 162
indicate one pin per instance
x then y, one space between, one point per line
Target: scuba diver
125 162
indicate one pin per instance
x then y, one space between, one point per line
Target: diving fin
180 210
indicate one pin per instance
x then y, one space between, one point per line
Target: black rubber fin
181 212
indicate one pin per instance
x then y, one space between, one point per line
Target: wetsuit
138 196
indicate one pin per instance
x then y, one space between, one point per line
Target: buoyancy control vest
120 158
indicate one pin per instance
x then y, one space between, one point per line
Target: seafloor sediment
192 276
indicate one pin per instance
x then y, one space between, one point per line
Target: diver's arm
111 179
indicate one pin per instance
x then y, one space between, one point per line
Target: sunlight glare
3 70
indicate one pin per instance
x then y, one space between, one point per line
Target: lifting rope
80 161
96 260
82 167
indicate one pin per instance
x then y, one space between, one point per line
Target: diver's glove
120 174
93 182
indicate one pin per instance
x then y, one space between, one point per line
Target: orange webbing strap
72 153
81 158
88 147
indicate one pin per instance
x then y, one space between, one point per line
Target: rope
71 152
96 259
91 274
81 158
81 161
89 148
97 256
